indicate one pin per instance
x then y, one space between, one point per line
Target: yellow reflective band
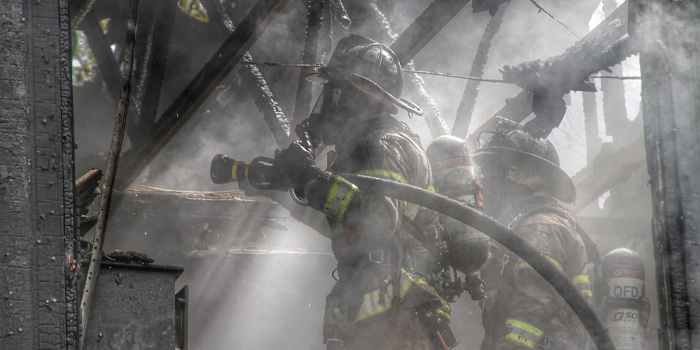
430 189
587 293
346 201
385 174
444 310
526 265
330 199
580 279
233 171
411 210
525 326
246 171
443 313
338 198
520 340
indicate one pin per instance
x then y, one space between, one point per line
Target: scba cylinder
625 309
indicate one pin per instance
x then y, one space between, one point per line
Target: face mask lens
319 104
485 138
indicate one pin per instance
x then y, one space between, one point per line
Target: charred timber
112 163
606 170
670 74
471 91
570 71
603 47
252 78
153 51
106 62
425 27
314 22
204 83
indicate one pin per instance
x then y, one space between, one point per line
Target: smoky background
258 278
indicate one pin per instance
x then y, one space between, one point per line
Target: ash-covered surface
133 308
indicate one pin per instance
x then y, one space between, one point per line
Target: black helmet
511 145
369 66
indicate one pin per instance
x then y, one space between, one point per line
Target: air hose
502 235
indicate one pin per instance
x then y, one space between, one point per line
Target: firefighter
522 182
467 248
381 299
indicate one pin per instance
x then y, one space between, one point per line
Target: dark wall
37 229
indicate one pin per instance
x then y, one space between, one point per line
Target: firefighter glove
296 165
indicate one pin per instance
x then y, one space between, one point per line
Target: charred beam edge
590 121
671 98
471 91
69 192
314 23
203 84
600 176
149 76
81 13
256 86
218 17
412 40
425 27
614 109
112 163
608 33
106 62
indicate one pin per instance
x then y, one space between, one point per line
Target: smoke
276 301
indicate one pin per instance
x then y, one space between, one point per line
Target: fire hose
481 222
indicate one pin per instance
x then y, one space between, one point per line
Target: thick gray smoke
257 278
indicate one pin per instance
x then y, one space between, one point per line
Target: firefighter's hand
295 164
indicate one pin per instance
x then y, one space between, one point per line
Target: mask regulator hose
502 235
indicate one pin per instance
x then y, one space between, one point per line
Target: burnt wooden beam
112 163
100 46
154 56
202 85
671 95
607 170
314 22
590 122
471 91
425 27
255 84
38 221
607 38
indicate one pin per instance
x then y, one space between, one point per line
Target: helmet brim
364 84
561 185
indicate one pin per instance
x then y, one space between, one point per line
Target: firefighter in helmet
381 299
522 182
467 248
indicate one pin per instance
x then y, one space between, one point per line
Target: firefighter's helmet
512 146
452 168
371 68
